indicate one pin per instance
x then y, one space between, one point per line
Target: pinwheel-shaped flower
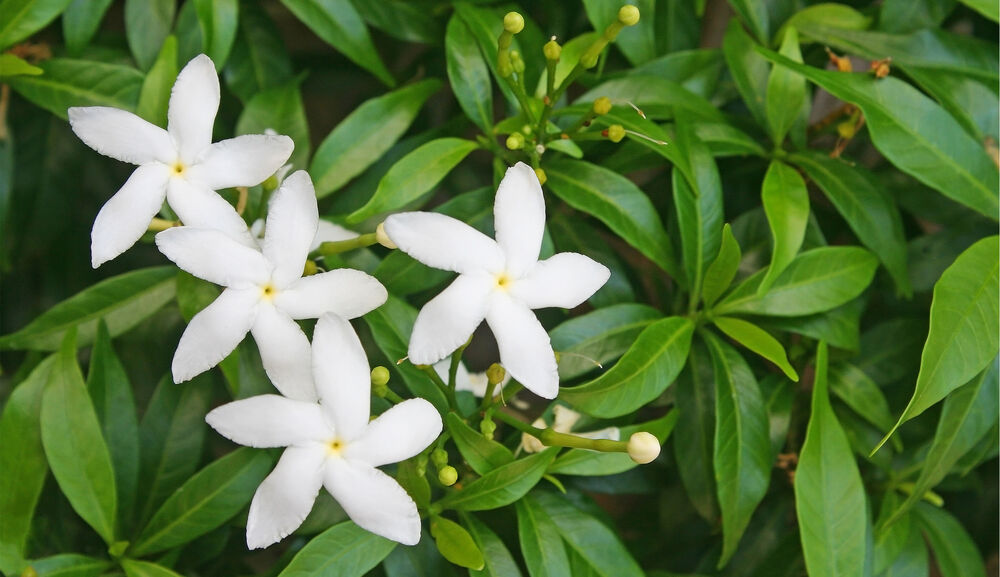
331 444
179 164
265 291
500 281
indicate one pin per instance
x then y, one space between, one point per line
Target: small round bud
846 129
602 106
383 238
643 447
310 268
541 175
29 571
447 476
439 457
487 428
380 376
513 22
539 149
495 374
515 141
616 133
270 184
628 15
527 129
552 50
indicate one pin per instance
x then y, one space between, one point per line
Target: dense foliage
797 202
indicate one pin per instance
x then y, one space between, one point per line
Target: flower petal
327 232
345 292
343 377
449 319
246 160
200 207
285 353
440 241
397 434
268 421
121 135
213 256
194 100
373 500
519 218
126 216
524 346
286 496
214 332
563 280
292 220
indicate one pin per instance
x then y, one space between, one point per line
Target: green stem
393 398
338 246
552 438
456 359
522 98
448 392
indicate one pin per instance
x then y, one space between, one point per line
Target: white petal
373 500
286 496
270 421
345 292
343 377
609 433
213 256
524 346
440 241
214 332
397 434
246 160
122 135
126 216
285 353
563 418
292 219
519 218
328 232
200 207
564 280
449 319
194 100
462 377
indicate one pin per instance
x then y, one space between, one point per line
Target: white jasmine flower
563 420
179 164
500 281
265 291
326 232
331 444
475 383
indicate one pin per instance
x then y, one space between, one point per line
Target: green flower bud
514 22
487 428
495 374
270 184
602 106
421 465
628 15
541 175
380 376
310 268
516 62
447 476
552 50
439 457
616 133
515 141
29 571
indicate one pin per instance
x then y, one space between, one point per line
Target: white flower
179 164
475 383
326 232
563 420
331 444
265 291
500 281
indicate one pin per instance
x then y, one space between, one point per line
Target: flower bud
515 141
270 184
29 571
487 428
310 268
495 374
421 465
382 238
552 50
516 62
447 476
439 457
602 106
628 15
847 129
380 376
541 175
881 67
616 133
643 447
513 22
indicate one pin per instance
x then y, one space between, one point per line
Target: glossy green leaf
831 14
280 109
786 90
902 16
779 395
698 201
649 366
592 463
721 272
695 431
403 20
22 18
984 7
955 552
913 559
69 565
147 24
501 486
890 541
757 340
218 20
600 336
67 82
469 75
136 568
482 454
742 445
11 65
839 326
659 99
339 25
786 204
155 94
81 21
541 545
344 550
727 140
816 281
259 59
74 446
498 560
749 70
121 301
754 15
455 543
414 483
570 234
414 175
851 385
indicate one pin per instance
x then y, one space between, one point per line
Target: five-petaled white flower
265 291
331 444
179 164
500 281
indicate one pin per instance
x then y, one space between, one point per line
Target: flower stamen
268 291
504 281
334 447
177 169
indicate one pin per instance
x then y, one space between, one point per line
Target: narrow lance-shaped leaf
218 20
20 19
344 550
482 454
455 543
501 486
748 69
786 90
468 73
695 432
81 20
722 271
279 109
68 82
859 392
259 58
147 24
757 340
137 568
954 550
600 336
542 547
786 204
155 94
69 565
498 560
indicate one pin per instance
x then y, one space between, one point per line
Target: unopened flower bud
616 133
516 62
310 268
541 175
495 374
447 476
513 22
539 149
846 129
29 571
487 428
382 238
602 106
270 184
842 63
552 50
439 457
421 465
643 447
380 376
628 15
515 141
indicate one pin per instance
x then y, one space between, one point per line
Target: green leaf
206 501
542 547
749 70
218 20
615 201
698 201
695 432
779 395
637 43
258 59
482 454
414 483
340 26
69 565
22 457
498 560
659 99
912 560
592 463
742 444
890 541
984 7
74 446
754 14
147 24
851 385
121 301
816 281
964 333
571 234
403 20
344 550
786 204
786 90
280 109
935 151
11 66
136 568
111 393
757 340
829 495
22 18
67 82
81 21
831 14
649 366
468 74
955 552
902 16
599 336
501 486
455 543
726 140
414 175
720 274
155 94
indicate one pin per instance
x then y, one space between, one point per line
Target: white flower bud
643 447
382 238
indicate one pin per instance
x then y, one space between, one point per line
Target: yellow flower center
335 446
177 169
268 291
504 281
